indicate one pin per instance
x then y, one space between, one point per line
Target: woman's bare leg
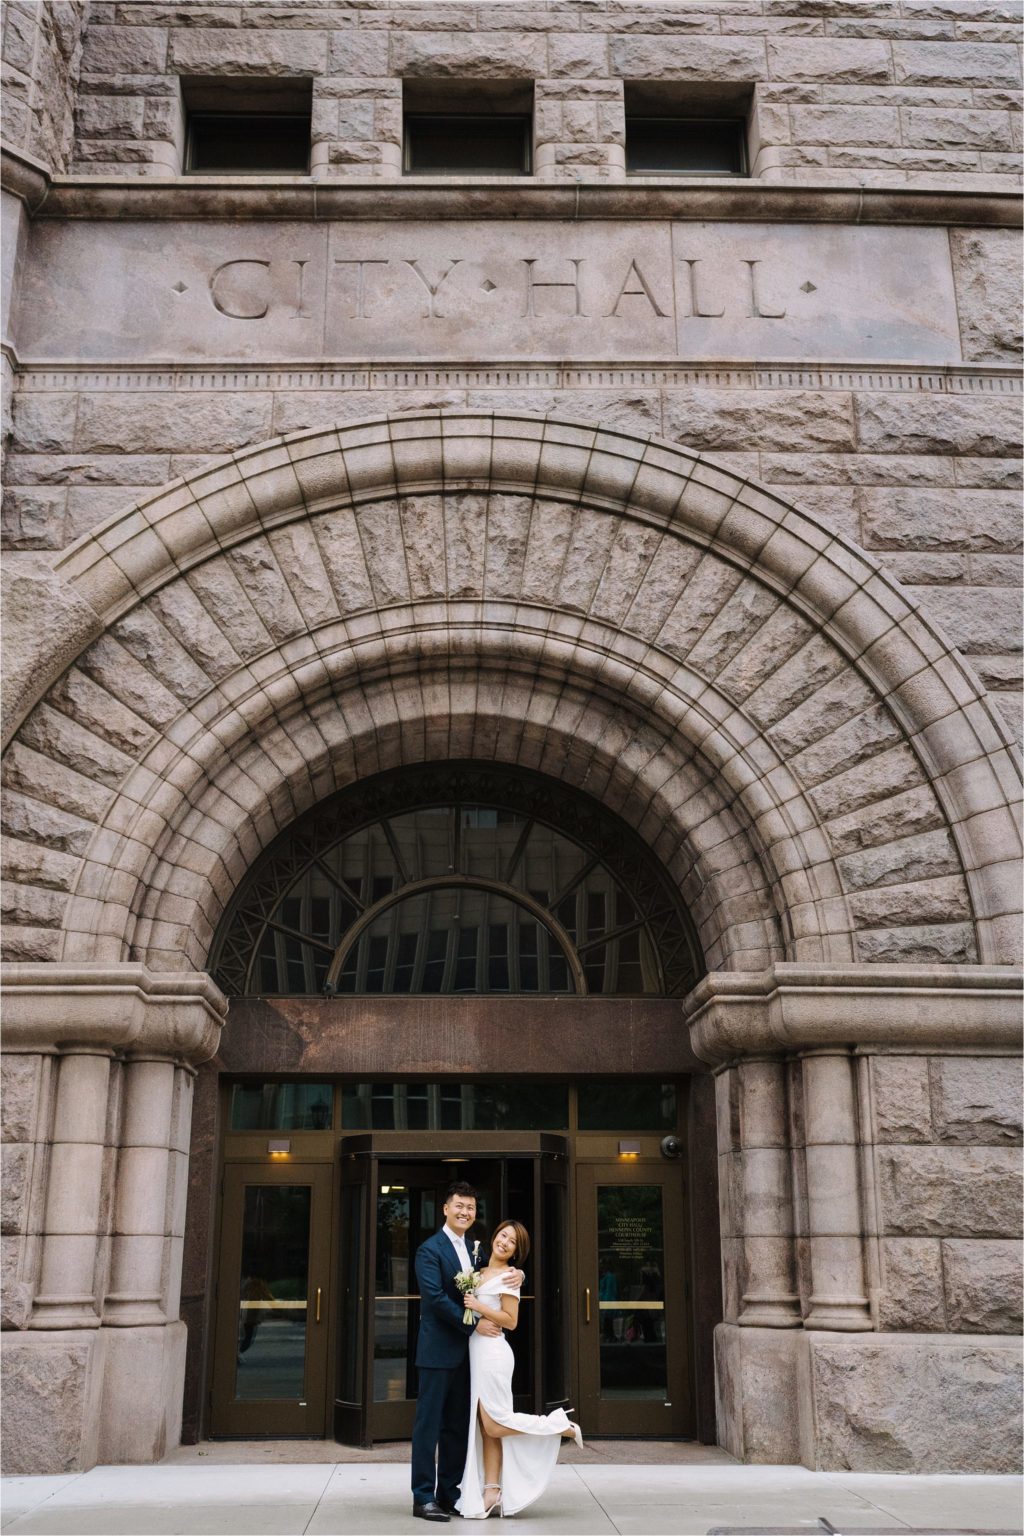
492 1428
492 1461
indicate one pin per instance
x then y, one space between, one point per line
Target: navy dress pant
441 1424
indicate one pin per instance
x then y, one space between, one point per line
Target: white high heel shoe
497 1503
577 1433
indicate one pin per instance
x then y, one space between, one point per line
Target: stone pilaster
902 1128
141 1232
73 1222
770 1298
838 1301
100 1060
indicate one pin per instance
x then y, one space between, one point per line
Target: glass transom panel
496 881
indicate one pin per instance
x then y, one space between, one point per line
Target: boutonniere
476 1252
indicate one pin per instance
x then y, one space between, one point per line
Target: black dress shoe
431 1511
449 1508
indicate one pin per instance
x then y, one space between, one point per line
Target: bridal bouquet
467 1280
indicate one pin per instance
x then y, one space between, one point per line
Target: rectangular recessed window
467 127
468 146
696 146
245 127
692 128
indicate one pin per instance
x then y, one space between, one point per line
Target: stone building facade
685 507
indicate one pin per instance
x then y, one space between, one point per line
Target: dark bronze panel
458 1036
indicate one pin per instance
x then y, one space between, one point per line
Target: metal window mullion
451 956
396 852
391 951
339 887
419 959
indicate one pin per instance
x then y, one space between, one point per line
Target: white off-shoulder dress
528 1458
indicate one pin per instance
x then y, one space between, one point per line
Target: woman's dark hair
522 1252
460 1187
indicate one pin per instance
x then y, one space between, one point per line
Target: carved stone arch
841 751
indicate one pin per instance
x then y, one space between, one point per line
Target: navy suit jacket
444 1337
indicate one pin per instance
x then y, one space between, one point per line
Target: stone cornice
124 1008
796 1007
24 176
263 197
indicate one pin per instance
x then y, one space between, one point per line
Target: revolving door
392 1193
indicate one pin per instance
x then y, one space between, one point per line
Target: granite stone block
984 263
982 1285
912 1294
232 51
977 1099
950 1191
468 55
936 1404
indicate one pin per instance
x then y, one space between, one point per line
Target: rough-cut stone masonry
864 860
944 1131
903 89
927 482
42 51
702 497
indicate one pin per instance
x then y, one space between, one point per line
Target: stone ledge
111 1007
256 197
799 1007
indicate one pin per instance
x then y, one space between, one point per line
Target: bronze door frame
672 1418
230 1416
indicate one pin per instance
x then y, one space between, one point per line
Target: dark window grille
465 145
457 878
685 146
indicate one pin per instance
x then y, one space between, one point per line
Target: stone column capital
125 1009
798 1008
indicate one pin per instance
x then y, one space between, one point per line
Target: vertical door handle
586 1295
318 1303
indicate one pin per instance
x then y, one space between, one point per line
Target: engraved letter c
237 314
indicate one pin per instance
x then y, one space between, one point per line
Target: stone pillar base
880 1402
79 1397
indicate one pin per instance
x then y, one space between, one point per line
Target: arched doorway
818 773
453 888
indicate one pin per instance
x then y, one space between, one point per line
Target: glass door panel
631 1291
406 1209
273 1289
271 1349
633 1357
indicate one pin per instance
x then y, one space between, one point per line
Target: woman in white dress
511 1455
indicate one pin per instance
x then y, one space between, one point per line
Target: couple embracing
472 1454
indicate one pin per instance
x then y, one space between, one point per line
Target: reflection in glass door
270 1349
633 1373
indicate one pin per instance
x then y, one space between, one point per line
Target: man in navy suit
441 1427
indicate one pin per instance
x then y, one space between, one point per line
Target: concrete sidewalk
584 1499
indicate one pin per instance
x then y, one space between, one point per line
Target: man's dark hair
460 1187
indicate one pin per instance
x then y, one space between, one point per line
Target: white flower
476 1250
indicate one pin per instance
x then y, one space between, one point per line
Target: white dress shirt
458 1242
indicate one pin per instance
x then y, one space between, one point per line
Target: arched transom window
457 879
